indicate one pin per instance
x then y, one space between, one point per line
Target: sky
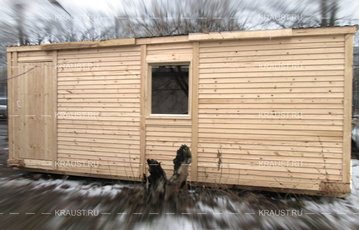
348 7
112 7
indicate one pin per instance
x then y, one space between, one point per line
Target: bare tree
328 11
19 16
165 17
294 14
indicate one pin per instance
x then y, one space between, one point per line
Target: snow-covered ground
118 205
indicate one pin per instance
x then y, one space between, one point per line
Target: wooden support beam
143 110
325 31
12 103
240 35
89 44
195 79
348 84
53 98
10 90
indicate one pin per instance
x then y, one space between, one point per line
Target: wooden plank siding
269 115
164 134
266 109
99 110
32 110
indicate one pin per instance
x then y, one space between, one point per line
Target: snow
168 222
67 186
339 211
326 212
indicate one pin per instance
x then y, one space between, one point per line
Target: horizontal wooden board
271 85
97 51
89 144
104 87
107 140
296 69
63 67
258 80
119 73
240 47
227 156
106 105
204 102
273 112
260 136
99 59
97 153
234 167
271 58
171 47
99 100
258 176
268 127
284 73
99 118
269 95
35 59
119 53
35 54
287 52
274 41
272 90
283 64
166 134
226 106
277 122
104 95
97 81
290 132
99 131
265 152
228 163
96 111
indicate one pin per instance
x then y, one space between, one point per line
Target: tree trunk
158 187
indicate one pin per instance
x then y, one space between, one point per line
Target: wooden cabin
259 109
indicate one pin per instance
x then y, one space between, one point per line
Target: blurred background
47 21
36 22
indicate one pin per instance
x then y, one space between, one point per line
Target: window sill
169 116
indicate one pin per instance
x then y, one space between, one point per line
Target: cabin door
34 111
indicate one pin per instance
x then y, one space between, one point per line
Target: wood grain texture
99 110
265 109
348 84
263 112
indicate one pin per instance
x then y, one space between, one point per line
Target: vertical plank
194 145
143 110
22 136
348 82
15 99
10 91
53 100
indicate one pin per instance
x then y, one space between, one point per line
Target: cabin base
331 189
